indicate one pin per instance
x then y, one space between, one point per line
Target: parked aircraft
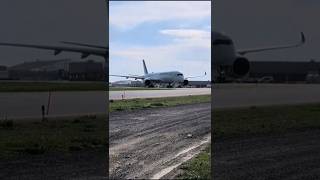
170 78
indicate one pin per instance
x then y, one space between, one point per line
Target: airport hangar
61 69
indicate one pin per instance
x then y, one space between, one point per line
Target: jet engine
185 82
241 66
147 82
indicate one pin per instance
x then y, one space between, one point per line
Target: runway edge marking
187 156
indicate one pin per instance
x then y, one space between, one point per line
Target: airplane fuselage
224 52
224 56
165 77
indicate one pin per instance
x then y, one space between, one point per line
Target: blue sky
169 35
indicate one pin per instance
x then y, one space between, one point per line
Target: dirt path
144 143
295 155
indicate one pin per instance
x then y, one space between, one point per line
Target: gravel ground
145 142
294 155
90 164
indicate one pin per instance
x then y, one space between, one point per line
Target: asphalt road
294 155
149 143
158 93
21 105
28 105
244 95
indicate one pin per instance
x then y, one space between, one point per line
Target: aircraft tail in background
145 67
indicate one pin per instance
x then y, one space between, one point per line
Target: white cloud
195 38
187 33
131 14
187 43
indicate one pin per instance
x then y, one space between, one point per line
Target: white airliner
171 78
228 61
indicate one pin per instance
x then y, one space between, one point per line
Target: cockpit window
179 74
222 42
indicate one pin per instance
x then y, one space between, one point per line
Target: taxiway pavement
28 104
131 94
244 95
20 105
24 105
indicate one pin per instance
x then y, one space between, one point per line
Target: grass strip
132 104
265 120
198 167
60 135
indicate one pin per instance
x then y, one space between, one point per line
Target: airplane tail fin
145 67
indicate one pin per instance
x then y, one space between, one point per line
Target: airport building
4 73
286 71
199 84
40 70
86 71
127 83
63 69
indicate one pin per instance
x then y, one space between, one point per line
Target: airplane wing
85 52
134 77
253 50
205 73
86 45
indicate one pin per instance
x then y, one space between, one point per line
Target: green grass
198 167
60 135
265 120
136 88
131 104
51 86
